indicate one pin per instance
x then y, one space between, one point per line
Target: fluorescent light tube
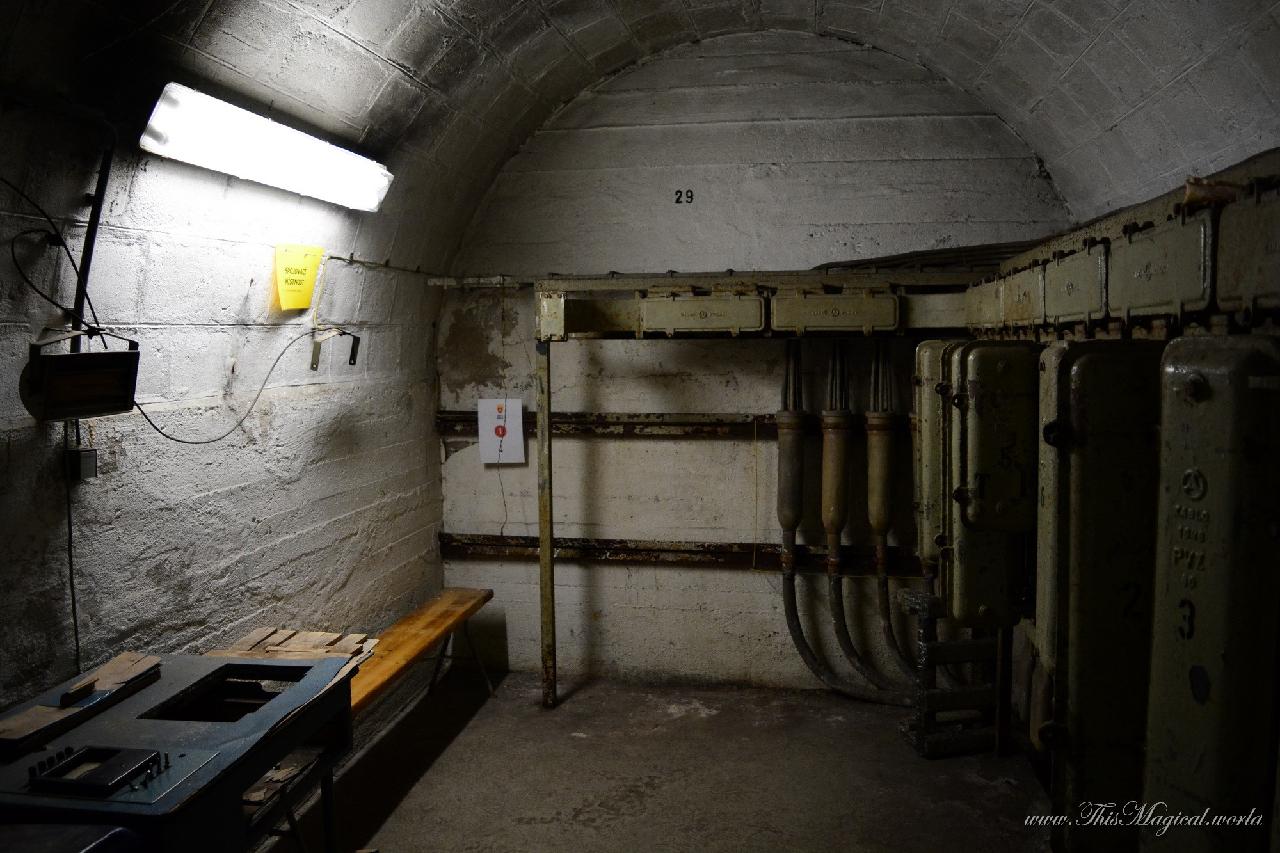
195 128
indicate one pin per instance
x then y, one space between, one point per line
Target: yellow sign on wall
295 273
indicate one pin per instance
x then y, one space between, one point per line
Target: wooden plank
280 637
306 645
253 638
350 644
119 677
366 651
124 668
303 640
31 720
121 669
411 637
275 653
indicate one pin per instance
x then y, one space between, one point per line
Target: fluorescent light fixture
195 128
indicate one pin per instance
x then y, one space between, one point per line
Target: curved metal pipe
820 669
791 455
879 483
879 490
790 514
836 423
790 481
839 622
835 481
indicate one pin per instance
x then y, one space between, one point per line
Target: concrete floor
624 767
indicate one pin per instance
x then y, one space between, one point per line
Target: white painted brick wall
789 170
799 150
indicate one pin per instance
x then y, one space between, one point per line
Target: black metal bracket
954 721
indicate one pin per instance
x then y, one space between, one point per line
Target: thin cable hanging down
248 411
55 236
71 560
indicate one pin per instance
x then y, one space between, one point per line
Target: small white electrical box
501 424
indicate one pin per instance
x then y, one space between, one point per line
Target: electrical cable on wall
93 327
71 563
502 342
55 235
248 411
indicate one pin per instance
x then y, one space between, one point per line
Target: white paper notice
501 431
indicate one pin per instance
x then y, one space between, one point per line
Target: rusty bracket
450 423
457 423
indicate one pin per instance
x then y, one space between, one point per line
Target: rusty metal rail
762 556
454 423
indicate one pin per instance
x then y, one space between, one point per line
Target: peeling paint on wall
665 622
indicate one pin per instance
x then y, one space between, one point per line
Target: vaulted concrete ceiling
1121 98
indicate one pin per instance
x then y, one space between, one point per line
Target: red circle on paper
500 431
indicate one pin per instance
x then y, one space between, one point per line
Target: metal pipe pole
546 536
91 234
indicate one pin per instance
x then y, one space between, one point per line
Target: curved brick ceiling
1121 99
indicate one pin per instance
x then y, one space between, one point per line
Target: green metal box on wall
863 311
720 313
947 448
984 305
1099 409
1048 510
1075 286
932 405
1249 254
1211 738
996 390
1162 270
1022 298
992 477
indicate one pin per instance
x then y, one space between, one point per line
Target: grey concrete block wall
322 509
799 150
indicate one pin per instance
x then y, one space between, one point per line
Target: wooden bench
414 636
380 660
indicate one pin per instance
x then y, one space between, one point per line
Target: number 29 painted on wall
684 196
